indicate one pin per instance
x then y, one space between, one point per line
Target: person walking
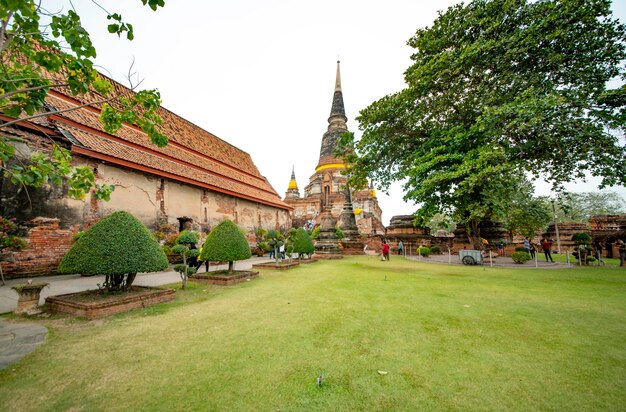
385 250
501 248
546 245
527 245
598 246
400 248
533 249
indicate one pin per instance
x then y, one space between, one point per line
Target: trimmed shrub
226 243
581 238
435 250
302 242
520 257
119 246
424 251
520 249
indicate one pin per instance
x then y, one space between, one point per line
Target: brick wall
47 244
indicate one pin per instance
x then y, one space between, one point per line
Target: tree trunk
130 278
474 234
231 266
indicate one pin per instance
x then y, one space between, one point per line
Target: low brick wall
62 303
224 280
47 244
284 265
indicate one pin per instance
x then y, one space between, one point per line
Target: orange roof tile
193 155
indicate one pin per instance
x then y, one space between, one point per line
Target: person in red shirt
546 245
385 250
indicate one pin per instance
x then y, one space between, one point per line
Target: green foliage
579 207
424 251
225 243
10 235
187 237
495 88
115 246
57 52
316 231
520 249
520 257
435 250
339 233
582 238
302 242
526 214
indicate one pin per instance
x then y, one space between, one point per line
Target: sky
261 74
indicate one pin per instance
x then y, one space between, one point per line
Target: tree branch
31 89
4 38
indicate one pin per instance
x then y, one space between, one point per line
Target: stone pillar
28 300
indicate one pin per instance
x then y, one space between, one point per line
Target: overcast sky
261 74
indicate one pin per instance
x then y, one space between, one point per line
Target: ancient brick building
326 185
196 181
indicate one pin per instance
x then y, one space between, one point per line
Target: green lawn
449 337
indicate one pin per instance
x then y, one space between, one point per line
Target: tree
579 207
275 239
34 62
302 243
118 246
497 87
184 242
527 214
226 243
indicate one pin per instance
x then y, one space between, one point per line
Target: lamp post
556 228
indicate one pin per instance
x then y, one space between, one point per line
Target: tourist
501 248
621 248
546 245
400 248
193 260
282 251
527 245
598 246
532 250
385 250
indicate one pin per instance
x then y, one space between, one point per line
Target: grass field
448 338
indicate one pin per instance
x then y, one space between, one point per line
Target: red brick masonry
63 304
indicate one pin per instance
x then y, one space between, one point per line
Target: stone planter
222 278
28 300
89 305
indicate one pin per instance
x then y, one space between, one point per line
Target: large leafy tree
498 87
42 50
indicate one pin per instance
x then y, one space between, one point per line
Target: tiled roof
193 155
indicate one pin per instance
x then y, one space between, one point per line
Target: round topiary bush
302 242
119 246
424 251
226 243
520 257
435 250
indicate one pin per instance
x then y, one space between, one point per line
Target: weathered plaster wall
151 199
